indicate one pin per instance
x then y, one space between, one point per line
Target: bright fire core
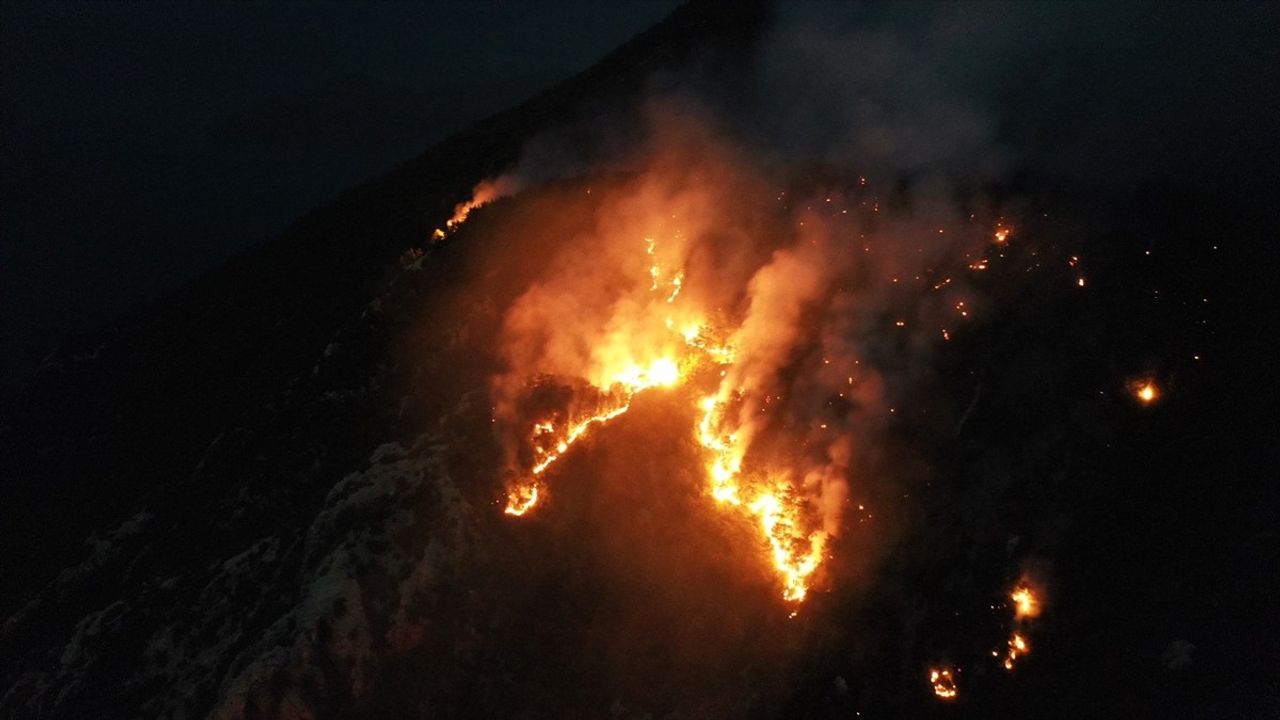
672 344
758 326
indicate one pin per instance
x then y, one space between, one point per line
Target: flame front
551 443
683 284
620 376
771 503
485 192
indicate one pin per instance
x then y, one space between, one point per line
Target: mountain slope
293 489
205 437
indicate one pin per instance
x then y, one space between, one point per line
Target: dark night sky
143 144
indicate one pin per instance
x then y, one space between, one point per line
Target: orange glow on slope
485 192
620 377
550 444
521 499
648 301
627 366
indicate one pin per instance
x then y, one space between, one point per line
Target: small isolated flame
943 682
1145 390
1017 647
485 192
1025 603
1026 606
795 554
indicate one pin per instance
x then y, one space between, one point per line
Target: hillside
281 492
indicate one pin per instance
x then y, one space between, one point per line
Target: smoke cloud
776 255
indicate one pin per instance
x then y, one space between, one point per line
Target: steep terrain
294 492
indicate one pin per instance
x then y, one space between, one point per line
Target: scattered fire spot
1145 391
944 683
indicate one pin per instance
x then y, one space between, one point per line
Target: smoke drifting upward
784 245
780 247
761 299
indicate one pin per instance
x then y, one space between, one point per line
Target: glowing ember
632 320
1145 390
550 444
1025 602
1026 606
623 377
943 682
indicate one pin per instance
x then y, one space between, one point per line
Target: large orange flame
628 365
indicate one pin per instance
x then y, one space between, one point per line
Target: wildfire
551 443
650 327
1026 606
943 682
521 499
485 192
1145 390
1025 602
768 501
1017 646
795 554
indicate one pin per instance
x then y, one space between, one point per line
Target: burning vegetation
1145 390
1026 607
943 682
763 320
773 322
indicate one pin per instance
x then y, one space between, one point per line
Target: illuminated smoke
764 314
485 192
